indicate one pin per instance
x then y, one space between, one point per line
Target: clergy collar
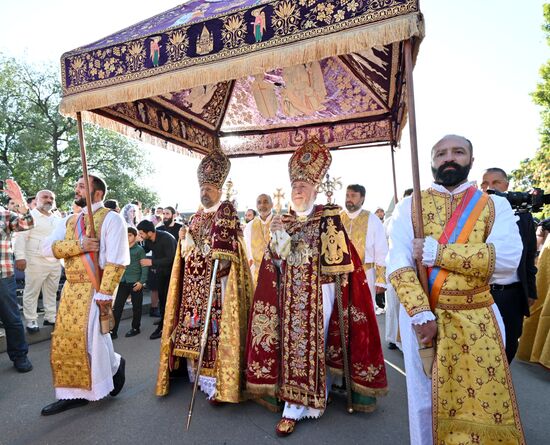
214 208
95 206
461 188
353 215
267 220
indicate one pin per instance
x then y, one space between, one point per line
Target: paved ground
137 416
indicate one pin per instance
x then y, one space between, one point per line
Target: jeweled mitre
309 163
214 169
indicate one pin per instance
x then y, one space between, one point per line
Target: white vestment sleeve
376 237
247 234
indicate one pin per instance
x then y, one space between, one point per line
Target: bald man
470 240
514 295
257 234
41 273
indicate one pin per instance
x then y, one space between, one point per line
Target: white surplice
104 361
506 240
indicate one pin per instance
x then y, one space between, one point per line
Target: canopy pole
395 199
91 229
416 203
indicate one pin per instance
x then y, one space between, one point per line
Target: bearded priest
214 234
294 342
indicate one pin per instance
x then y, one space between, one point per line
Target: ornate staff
204 338
328 187
347 375
278 196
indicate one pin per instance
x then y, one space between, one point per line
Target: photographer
515 296
9 311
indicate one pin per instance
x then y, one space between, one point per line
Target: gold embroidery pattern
66 248
357 230
265 327
260 237
474 395
69 357
408 288
111 278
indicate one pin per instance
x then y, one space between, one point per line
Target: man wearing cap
214 234
84 364
294 333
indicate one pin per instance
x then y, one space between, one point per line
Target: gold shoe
285 427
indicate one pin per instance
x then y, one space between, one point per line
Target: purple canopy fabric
261 77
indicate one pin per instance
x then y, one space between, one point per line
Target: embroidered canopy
259 76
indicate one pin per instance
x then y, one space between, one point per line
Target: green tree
39 147
535 172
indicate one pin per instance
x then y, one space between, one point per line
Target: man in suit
515 295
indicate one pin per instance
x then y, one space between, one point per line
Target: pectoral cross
329 186
278 196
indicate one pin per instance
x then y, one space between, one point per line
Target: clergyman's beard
303 206
46 207
351 207
80 202
453 177
167 222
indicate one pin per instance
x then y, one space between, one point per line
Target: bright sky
477 66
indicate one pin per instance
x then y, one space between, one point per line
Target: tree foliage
39 147
535 172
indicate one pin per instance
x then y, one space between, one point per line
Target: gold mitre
214 169
309 163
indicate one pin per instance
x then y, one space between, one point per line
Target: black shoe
156 334
157 322
392 345
132 332
114 335
49 323
119 378
62 405
40 310
22 364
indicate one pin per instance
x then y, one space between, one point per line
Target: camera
532 201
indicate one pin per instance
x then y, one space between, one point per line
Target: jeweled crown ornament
309 163
214 169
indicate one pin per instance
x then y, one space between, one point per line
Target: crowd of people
283 307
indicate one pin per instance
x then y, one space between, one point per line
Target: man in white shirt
41 273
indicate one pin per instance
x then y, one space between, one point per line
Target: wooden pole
417 203
395 198
91 228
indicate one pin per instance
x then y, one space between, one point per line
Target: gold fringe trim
364 408
295 395
254 390
221 255
484 431
360 389
138 135
343 42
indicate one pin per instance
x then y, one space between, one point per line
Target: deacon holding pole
208 299
296 340
84 365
